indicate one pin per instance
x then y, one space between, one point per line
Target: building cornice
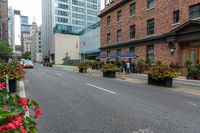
112 7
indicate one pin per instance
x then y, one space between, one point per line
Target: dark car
28 64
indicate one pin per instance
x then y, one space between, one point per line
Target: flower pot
166 82
109 74
12 86
82 70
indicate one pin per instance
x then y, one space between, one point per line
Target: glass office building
67 17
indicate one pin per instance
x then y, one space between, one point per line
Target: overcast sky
31 8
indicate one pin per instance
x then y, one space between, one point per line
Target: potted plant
14 71
13 108
161 75
83 68
109 70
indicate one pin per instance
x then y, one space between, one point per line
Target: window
150 27
108 21
176 16
194 11
108 52
108 38
118 51
119 15
150 53
132 49
119 36
150 4
132 9
132 31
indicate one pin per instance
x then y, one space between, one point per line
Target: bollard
123 74
91 71
7 83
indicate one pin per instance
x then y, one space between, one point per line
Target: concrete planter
82 70
109 74
167 82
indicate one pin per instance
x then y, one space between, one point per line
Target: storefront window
183 57
193 57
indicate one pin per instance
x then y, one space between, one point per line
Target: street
78 103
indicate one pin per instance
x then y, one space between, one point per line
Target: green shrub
109 68
194 74
84 65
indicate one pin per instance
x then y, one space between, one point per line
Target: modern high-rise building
67 17
4 20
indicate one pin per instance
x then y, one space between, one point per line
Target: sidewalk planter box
82 70
12 86
109 74
166 82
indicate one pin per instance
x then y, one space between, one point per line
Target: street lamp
83 43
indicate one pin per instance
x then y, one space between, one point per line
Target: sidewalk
180 80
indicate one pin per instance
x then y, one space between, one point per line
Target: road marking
59 74
112 92
193 104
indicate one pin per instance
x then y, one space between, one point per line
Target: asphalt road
78 103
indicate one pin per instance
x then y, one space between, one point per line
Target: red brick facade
162 13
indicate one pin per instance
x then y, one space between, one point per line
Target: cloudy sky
31 8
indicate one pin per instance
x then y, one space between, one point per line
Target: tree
26 55
5 51
66 59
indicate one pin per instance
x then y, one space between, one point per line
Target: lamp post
83 43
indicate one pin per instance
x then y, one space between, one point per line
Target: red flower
38 112
5 107
2 85
22 101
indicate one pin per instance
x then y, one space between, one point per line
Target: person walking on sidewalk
127 67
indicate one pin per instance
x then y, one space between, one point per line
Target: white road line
112 92
59 74
193 104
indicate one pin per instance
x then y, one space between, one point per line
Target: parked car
28 64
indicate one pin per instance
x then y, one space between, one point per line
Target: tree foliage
5 51
26 55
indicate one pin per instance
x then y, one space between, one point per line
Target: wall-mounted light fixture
172 47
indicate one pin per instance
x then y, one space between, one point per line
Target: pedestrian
127 67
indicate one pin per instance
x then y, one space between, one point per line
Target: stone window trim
149 8
176 16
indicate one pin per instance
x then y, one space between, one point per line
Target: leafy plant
26 55
160 72
109 68
5 51
194 73
84 66
12 113
13 70
158 63
188 64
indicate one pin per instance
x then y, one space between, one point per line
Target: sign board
195 44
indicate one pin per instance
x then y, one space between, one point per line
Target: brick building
4 20
165 30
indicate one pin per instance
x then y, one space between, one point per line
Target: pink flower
2 85
38 112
